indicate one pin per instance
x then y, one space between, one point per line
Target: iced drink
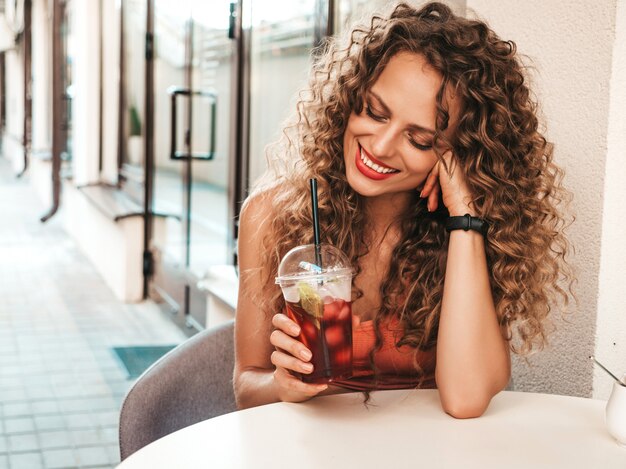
318 299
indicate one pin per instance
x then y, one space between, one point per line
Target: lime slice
310 301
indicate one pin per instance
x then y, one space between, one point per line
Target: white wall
571 45
115 249
611 319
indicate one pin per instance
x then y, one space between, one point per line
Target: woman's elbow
464 408
242 400
469 400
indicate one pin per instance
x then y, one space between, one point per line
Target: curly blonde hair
497 144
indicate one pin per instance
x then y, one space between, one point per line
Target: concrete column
84 47
572 51
12 142
42 81
110 84
12 148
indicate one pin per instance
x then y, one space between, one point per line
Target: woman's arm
473 362
265 346
473 358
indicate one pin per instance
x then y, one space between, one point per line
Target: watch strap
466 223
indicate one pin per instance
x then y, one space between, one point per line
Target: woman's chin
372 190
361 187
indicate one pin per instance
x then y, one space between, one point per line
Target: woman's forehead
410 84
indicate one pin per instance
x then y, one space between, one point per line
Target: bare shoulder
255 224
257 213
258 206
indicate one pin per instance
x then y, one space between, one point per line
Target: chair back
191 383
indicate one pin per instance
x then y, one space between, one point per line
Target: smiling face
388 146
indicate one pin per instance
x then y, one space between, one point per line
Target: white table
400 429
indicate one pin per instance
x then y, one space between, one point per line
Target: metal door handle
175 92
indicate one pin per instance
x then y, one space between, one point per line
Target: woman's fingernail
422 194
295 330
306 354
307 367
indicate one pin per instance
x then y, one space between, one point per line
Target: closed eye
379 118
420 146
373 115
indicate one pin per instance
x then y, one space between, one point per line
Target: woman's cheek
359 122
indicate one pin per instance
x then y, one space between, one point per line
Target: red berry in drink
344 312
309 333
343 357
334 335
331 309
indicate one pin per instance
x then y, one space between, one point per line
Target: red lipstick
366 170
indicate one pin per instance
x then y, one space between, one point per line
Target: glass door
132 115
211 81
282 35
192 88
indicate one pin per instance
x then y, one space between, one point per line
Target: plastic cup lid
300 263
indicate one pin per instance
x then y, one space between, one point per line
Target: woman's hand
452 185
291 356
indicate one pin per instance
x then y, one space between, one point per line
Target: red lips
366 170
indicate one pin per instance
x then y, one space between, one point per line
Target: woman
422 118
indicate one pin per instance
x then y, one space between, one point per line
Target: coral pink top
395 364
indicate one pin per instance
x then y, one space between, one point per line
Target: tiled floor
60 385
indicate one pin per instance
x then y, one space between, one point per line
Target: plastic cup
319 300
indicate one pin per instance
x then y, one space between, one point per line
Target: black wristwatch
467 222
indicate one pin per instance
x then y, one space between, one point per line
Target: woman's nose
384 142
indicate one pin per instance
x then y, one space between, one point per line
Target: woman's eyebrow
412 127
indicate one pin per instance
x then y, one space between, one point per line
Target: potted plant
135 142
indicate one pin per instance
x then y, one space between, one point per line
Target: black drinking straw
318 262
316 222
